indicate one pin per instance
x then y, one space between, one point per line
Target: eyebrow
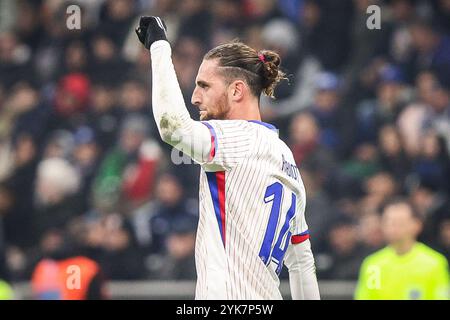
202 83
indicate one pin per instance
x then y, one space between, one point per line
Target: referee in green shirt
405 269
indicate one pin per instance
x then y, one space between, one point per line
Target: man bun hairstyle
271 70
260 70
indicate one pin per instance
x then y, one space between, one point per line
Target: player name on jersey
290 169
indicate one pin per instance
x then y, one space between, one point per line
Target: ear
237 90
418 227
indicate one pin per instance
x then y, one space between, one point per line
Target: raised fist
151 29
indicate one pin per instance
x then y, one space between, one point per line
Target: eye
202 85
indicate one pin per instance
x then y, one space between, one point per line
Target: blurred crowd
83 171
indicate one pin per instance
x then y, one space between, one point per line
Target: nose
196 99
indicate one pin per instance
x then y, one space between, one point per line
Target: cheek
211 100
213 96
389 229
222 105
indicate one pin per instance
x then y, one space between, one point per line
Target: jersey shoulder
231 130
430 256
228 124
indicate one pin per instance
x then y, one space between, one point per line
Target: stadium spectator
434 209
392 155
134 103
106 64
327 111
196 20
304 140
345 252
320 212
116 18
187 55
390 98
396 41
168 207
364 43
438 114
76 59
127 171
18 224
326 21
70 101
14 60
120 257
57 195
432 163
378 188
283 36
104 116
370 232
179 263
431 49
85 158
23 112
351 175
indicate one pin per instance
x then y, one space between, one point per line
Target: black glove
151 29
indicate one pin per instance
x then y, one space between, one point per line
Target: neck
244 111
403 247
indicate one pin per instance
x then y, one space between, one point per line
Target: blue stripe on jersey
304 233
213 133
213 189
299 238
265 124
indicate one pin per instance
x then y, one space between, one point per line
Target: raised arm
169 110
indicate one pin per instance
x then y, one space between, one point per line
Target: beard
219 112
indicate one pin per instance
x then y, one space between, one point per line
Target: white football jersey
252 205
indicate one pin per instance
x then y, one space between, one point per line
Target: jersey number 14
274 248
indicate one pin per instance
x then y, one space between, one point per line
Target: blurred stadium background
82 168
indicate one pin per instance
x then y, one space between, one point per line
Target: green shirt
422 273
6 292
